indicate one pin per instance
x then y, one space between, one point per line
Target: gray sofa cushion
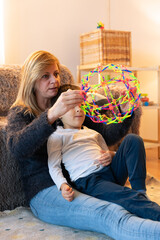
9 82
11 192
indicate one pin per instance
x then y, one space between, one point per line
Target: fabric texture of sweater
27 137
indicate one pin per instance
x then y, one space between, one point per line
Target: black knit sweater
27 140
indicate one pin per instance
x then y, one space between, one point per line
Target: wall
52 25
55 26
142 18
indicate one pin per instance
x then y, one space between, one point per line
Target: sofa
12 200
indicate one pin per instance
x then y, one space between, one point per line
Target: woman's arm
25 133
112 133
66 101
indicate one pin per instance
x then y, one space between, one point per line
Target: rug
22 225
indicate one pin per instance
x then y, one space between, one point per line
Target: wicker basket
105 46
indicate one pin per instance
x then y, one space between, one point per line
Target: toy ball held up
121 94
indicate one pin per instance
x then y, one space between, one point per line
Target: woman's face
47 86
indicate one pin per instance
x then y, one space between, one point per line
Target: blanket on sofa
21 224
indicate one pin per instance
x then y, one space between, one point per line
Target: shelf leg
158 152
78 75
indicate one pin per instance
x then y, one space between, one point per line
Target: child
81 150
85 153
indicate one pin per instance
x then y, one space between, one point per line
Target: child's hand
67 192
106 158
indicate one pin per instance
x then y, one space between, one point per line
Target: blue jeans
107 184
89 213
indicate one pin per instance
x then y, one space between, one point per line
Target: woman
31 120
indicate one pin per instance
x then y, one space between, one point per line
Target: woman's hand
67 192
106 157
66 101
125 106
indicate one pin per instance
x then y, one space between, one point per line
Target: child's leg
130 160
130 199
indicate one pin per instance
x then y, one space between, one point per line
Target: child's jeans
107 184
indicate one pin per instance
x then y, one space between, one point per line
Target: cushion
9 81
11 193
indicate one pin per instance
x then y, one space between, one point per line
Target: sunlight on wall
153 13
151 9
2 58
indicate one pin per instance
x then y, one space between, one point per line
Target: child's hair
65 87
62 89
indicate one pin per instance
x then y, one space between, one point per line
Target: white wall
52 25
55 26
142 18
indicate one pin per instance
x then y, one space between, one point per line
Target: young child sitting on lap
82 151
94 169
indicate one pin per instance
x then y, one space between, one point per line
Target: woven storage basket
105 46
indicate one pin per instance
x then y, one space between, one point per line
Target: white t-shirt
79 150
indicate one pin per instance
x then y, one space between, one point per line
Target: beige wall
55 25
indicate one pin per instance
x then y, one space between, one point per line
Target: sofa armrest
11 190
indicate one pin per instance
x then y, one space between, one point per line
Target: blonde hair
33 68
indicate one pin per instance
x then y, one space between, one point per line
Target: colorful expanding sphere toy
111 111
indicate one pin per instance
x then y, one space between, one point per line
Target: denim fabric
107 184
89 213
130 160
133 201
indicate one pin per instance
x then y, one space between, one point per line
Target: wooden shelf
154 68
149 145
154 106
90 67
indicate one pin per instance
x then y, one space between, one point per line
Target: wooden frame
105 46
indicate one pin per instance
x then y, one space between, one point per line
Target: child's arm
54 147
